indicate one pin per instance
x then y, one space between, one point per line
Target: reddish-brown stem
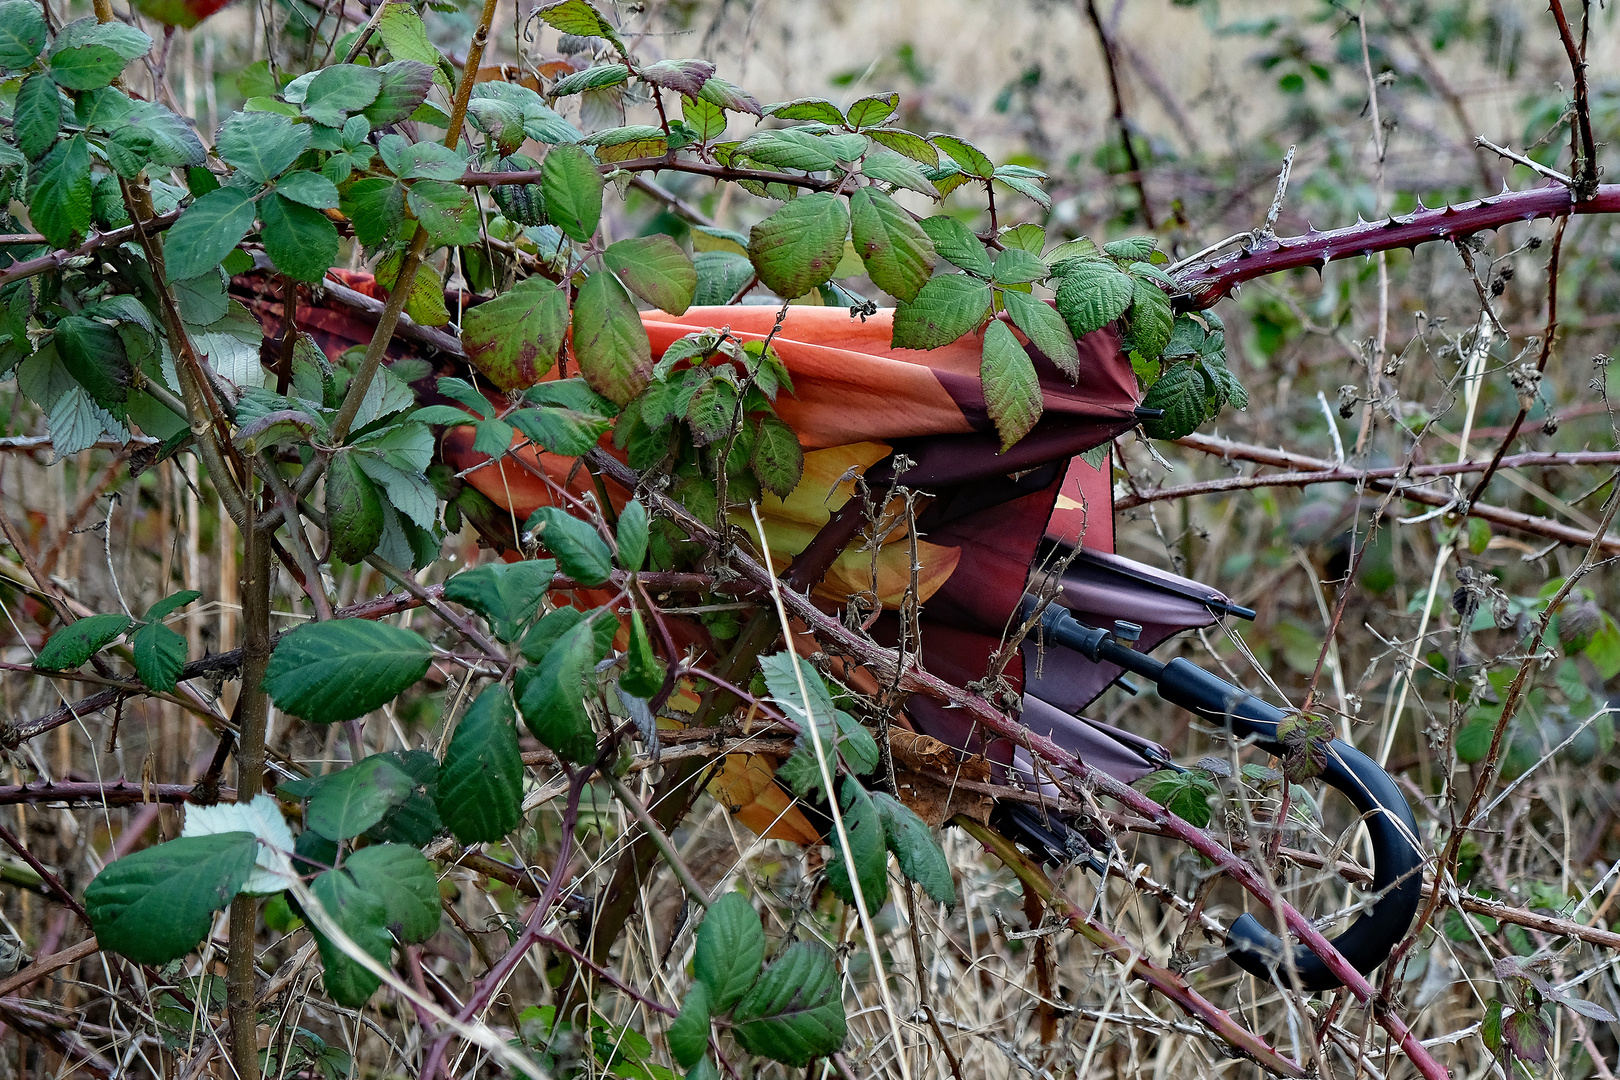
662 163
1213 280
119 792
531 935
1586 174
1319 467
50 879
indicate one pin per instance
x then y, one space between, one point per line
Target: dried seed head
1348 396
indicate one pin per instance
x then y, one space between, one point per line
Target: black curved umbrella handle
1397 855
1397 878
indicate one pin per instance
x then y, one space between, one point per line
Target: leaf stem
253 712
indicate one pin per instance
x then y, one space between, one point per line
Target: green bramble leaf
573 191
354 514
342 669
871 111
1151 317
1133 248
1015 266
864 827
1184 794
123 39
22 34
706 119
160 656
361 915
376 206
86 67
94 355
906 143
340 90
789 148
655 269
969 158
630 534
599 77
1028 237
404 87
610 342
730 97
799 246
37 114
956 244
309 189
685 77
157 904
480 790
947 307
260 144
579 18
553 699
1092 295
720 274
60 193
819 110
1182 393
300 240
794 1013
624 143
171 604
524 204
560 431
891 168
416 820
506 594
513 339
77 642
778 458
579 549
711 412
1045 330
1012 390
730 946
915 849
1026 182
1604 648
899 256
406 38
208 231
447 211
643 674
688 1033
348 802
405 881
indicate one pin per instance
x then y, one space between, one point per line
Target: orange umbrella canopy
858 405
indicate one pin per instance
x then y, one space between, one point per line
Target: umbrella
991 528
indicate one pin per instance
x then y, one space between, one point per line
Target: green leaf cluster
791 1011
